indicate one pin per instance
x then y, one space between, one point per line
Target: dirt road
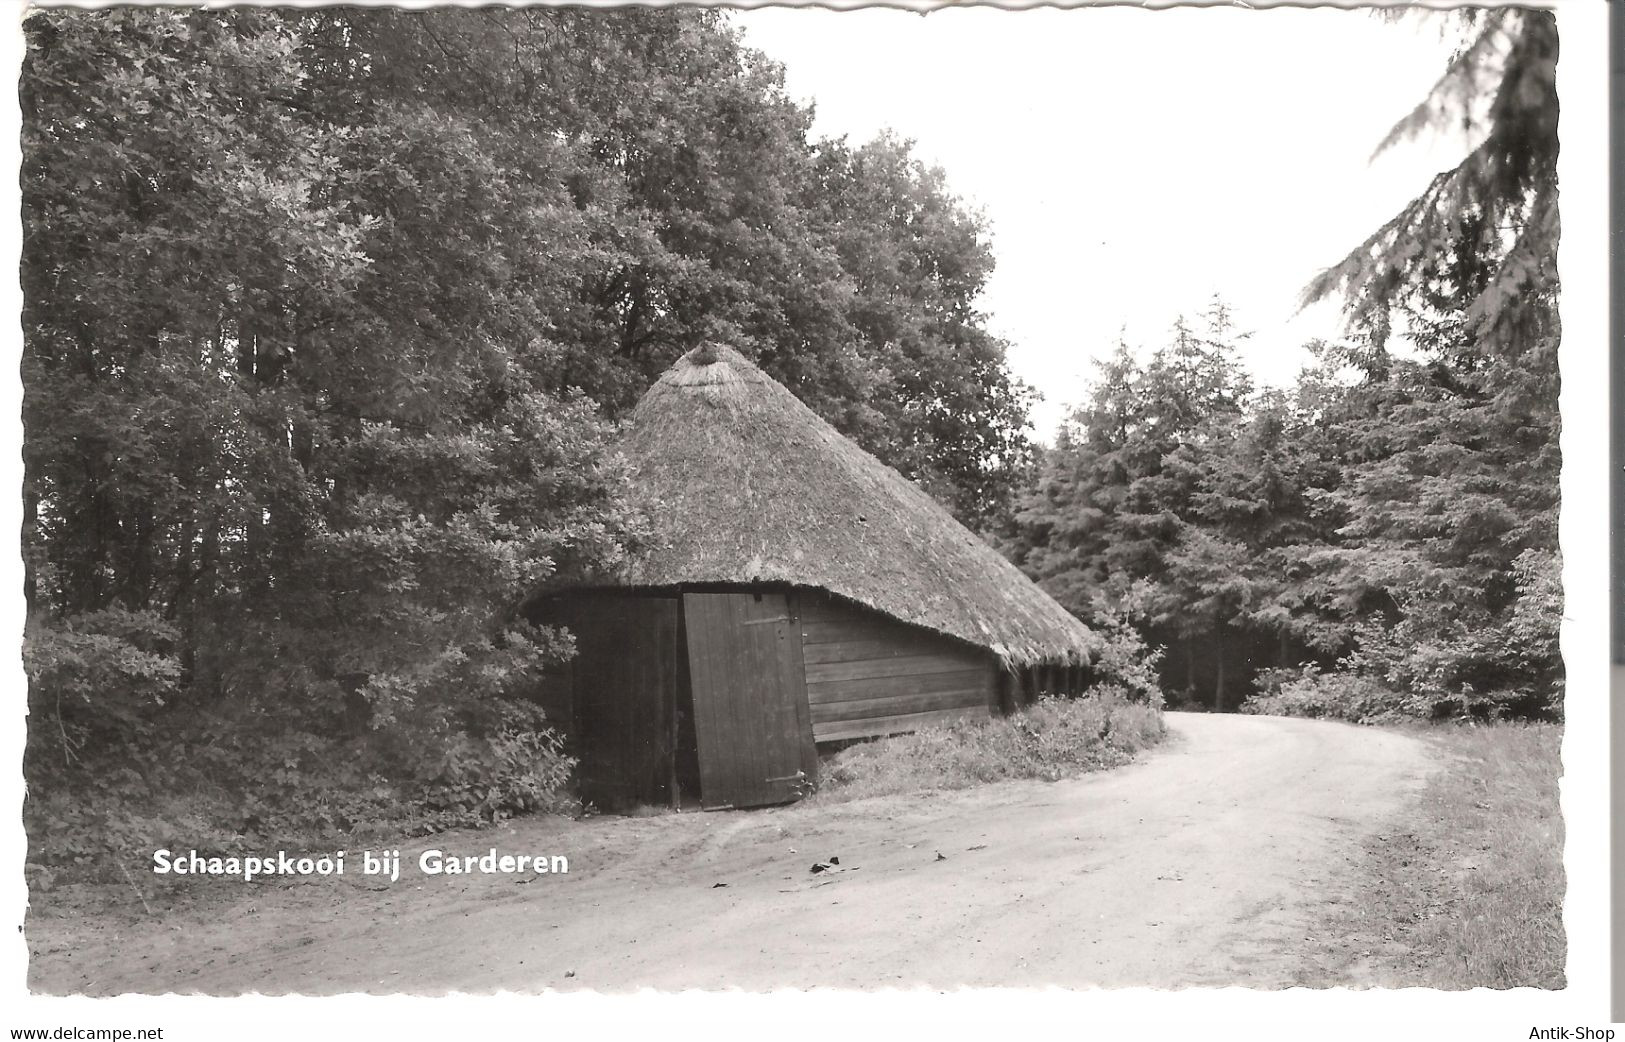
1209 862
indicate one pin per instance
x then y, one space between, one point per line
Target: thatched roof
746 484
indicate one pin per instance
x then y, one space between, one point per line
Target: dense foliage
328 317
1375 541
1382 539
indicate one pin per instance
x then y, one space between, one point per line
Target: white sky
1133 162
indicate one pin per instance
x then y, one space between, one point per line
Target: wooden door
750 699
625 685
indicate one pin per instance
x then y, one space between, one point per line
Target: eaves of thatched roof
746 484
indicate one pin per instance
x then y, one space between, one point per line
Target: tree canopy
1383 538
329 316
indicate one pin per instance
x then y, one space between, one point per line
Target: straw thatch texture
746 484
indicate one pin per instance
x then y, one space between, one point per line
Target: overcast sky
1132 163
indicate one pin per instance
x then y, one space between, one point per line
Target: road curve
1206 863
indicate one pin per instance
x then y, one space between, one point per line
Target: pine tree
1452 458
1113 526
1483 234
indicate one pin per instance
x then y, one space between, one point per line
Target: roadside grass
1473 895
1053 739
1509 932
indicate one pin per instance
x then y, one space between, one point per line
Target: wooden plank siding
869 675
861 688
870 728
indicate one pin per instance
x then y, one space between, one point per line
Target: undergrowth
218 791
1361 698
1055 738
1497 833
1471 894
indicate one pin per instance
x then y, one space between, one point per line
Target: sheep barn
796 591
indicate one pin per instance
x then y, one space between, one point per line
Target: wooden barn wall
868 675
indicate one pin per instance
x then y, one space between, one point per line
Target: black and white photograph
546 499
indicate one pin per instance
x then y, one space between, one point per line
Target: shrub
1125 661
1306 691
96 675
1359 697
1436 662
1053 739
120 761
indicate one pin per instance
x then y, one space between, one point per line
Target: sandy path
1207 863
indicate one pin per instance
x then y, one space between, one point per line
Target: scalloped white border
1138 1013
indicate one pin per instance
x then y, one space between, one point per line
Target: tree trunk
302 441
139 573
1218 654
30 542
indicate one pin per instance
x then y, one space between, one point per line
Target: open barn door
625 682
750 699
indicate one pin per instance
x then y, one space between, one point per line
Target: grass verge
1471 895
1055 738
